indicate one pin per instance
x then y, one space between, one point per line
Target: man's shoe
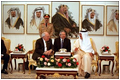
42 77
5 72
87 75
2 71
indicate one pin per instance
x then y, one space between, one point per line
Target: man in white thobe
84 48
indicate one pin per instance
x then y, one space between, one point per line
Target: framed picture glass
35 13
112 25
93 19
65 17
13 18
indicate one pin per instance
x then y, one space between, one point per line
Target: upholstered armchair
94 62
117 56
7 43
30 60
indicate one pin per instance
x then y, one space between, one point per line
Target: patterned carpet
20 75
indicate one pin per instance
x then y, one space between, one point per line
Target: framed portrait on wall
13 18
65 16
112 25
93 19
35 13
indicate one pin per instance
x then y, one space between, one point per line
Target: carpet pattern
20 75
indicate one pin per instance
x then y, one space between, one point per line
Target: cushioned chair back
117 48
7 44
34 41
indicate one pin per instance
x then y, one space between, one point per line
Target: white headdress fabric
85 43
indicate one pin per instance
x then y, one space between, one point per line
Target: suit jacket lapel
59 41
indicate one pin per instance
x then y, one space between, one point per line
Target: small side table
106 58
18 56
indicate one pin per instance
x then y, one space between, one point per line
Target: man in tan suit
46 26
84 48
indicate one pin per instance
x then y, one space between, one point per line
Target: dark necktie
46 24
62 43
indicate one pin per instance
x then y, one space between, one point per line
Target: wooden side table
18 56
106 58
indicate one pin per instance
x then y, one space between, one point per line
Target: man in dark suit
5 57
62 42
43 46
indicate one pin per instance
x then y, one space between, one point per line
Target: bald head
46 36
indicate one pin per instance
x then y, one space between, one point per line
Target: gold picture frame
72 17
112 20
95 26
32 23
13 18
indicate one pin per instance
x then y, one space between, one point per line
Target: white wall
26 39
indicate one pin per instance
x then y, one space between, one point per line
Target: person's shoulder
67 38
57 38
42 23
39 39
2 40
85 20
55 15
51 24
112 20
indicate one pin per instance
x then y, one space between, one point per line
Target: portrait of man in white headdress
37 18
91 21
14 20
114 21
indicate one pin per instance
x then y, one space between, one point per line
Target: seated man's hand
91 54
49 52
76 49
46 53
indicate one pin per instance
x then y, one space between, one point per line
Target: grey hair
43 34
61 32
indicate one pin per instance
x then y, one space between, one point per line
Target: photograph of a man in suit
43 46
91 21
62 42
14 18
37 17
113 24
62 21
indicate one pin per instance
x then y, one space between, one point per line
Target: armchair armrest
30 52
95 56
10 51
96 53
115 54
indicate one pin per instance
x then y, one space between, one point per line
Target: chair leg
29 68
32 67
96 70
93 68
